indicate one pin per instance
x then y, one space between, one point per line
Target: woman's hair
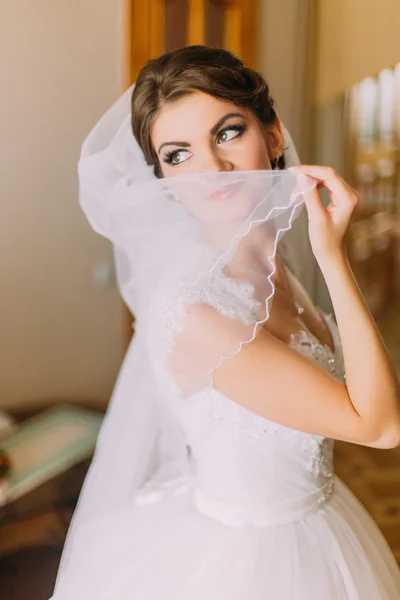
213 71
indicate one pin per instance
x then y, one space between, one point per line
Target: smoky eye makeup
224 135
172 157
239 128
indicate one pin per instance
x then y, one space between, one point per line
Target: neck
255 258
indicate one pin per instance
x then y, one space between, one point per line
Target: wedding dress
258 515
192 496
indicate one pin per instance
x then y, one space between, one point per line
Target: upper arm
266 376
272 379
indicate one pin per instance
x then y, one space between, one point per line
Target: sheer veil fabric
191 495
170 237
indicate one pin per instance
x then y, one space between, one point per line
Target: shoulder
217 295
204 326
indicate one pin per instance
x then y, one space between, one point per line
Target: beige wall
311 51
283 60
284 55
60 335
356 38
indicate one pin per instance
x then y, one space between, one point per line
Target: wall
284 59
329 146
356 38
61 337
311 51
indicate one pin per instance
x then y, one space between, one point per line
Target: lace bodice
245 468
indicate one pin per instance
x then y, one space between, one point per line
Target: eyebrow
213 131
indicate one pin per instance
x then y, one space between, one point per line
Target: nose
213 162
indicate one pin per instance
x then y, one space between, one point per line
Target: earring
276 162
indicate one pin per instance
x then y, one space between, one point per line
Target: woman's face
200 134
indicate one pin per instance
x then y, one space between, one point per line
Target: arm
273 380
371 381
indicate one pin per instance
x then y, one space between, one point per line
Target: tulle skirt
170 551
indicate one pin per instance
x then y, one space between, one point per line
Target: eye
230 133
176 157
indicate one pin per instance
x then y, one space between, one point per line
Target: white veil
141 445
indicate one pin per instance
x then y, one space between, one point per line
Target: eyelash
170 155
239 128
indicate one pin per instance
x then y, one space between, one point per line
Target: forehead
190 116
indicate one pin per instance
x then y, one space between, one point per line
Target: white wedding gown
260 516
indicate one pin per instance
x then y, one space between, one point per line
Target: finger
307 187
326 175
314 205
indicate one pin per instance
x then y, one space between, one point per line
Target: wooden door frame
143 21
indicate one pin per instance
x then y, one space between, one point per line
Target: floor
374 477
29 574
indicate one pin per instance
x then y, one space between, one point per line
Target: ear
276 143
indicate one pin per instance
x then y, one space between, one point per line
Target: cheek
167 170
186 168
256 155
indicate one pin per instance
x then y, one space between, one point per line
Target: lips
226 192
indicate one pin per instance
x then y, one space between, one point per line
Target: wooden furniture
50 454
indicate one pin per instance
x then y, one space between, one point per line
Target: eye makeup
170 157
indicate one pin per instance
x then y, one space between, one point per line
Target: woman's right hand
328 226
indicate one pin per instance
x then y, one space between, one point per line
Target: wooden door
157 26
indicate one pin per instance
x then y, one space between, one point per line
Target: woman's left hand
328 226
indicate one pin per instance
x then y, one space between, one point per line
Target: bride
212 478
